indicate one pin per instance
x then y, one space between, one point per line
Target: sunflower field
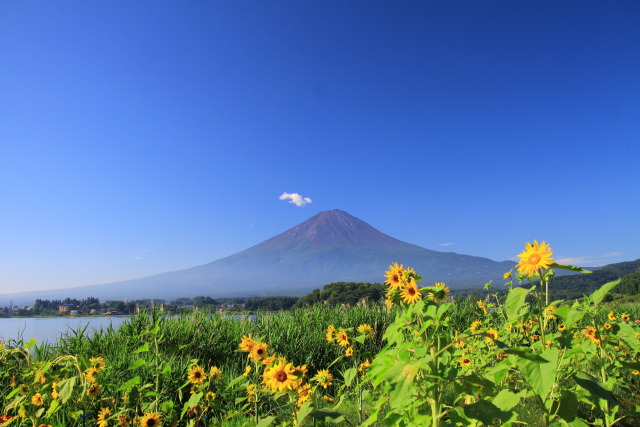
420 358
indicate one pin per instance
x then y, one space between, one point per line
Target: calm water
50 328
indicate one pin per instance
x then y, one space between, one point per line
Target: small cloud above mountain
295 198
446 244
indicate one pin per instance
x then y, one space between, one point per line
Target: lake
48 329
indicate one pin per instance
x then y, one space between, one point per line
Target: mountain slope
331 246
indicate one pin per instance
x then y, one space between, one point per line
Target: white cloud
136 257
446 244
588 260
295 198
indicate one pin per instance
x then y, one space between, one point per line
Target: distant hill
577 285
329 247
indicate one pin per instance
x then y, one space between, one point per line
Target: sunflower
611 316
331 330
364 365
327 399
304 392
280 376
635 372
494 336
54 390
150 419
507 275
102 415
90 374
251 392
196 375
98 362
394 276
625 318
246 371
475 325
39 378
123 421
211 395
324 378
258 351
366 330
482 306
342 338
535 257
24 389
561 327
607 326
269 359
94 390
410 293
349 352
247 343
441 293
215 374
591 333
37 399
388 302
300 371
464 361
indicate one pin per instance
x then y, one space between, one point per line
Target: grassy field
422 360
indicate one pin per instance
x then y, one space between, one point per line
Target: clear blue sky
139 137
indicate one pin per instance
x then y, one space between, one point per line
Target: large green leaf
628 334
598 295
541 376
506 400
130 383
570 268
485 411
595 387
515 300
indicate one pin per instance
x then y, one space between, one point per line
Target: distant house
66 308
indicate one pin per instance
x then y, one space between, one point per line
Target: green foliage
343 293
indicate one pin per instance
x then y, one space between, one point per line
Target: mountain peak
330 229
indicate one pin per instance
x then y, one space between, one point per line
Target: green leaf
167 407
138 362
66 388
323 415
628 334
568 406
595 387
485 411
349 375
540 375
166 370
30 343
193 400
303 412
265 422
53 408
570 268
526 354
598 295
506 400
144 347
130 383
515 300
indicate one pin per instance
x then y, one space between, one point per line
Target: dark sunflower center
151 422
281 376
411 291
